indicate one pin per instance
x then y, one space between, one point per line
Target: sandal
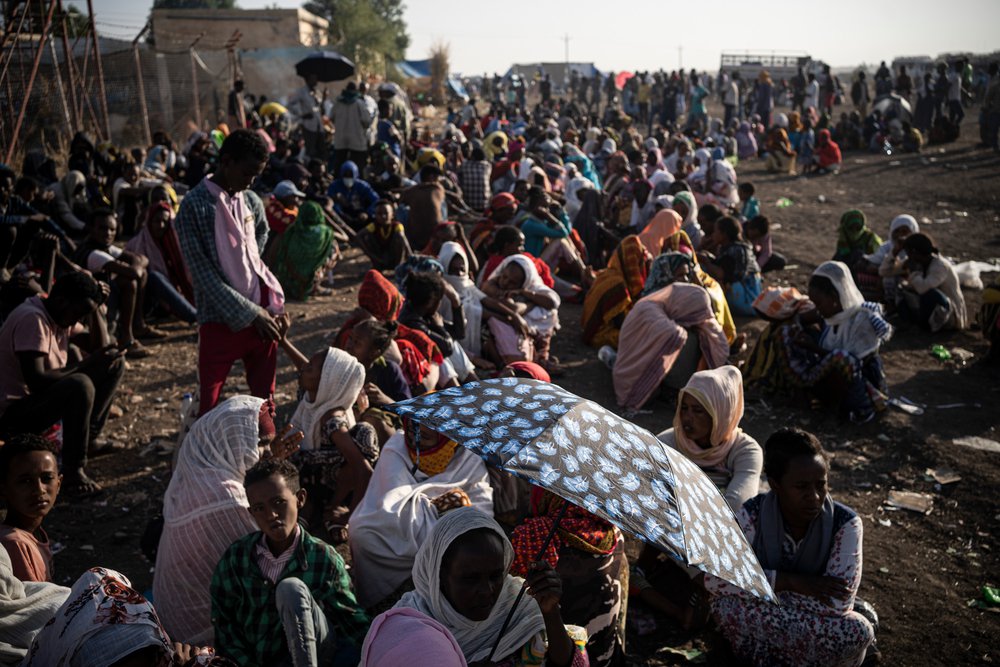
136 350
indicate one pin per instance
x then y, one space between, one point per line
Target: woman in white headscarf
834 350
882 268
205 509
69 195
461 581
517 285
687 207
25 607
337 453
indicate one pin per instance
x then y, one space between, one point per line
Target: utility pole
100 71
680 57
140 86
566 76
194 81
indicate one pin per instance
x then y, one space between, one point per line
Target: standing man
798 91
372 107
350 128
860 94
955 111
730 99
812 93
307 105
222 229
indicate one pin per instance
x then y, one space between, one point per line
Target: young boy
126 272
384 240
750 204
758 233
29 486
735 267
280 595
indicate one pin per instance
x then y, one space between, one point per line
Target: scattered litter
940 352
909 500
968 273
692 655
941 221
87 547
990 601
961 214
791 267
860 160
869 204
952 406
906 405
883 437
975 442
821 199
884 570
961 355
885 522
925 220
783 202
895 163
943 475
942 204
57 547
136 398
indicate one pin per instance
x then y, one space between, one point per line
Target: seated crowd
475 238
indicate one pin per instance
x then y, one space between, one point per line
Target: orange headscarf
664 224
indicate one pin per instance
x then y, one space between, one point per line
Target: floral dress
319 468
800 630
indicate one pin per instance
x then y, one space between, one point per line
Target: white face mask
348 183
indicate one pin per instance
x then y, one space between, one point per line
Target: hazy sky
490 35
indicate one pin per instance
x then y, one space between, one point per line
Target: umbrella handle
524 586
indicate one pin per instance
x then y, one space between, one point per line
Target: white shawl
396 515
25 607
475 637
543 319
342 380
470 295
853 328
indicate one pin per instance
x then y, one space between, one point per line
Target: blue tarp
419 69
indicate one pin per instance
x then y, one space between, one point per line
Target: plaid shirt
215 298
474 179
248 628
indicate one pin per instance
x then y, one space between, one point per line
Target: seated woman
205 508
338 451
810 549
686 206
855 239
304 253
477 307
547 231
779 307
706 430
461 579
839 360
420 475
425 290
615 290
169 278
588 553
780 156
516 283
508 240
384 241
502 209
827 157
404 636
735 266
932 295
25 609
873 283
656 344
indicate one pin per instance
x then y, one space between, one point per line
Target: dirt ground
922 571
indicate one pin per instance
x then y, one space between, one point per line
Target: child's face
104 230
31 487
719 237
275 507
744 195
753 233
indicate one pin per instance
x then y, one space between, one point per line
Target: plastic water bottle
187 400
607 355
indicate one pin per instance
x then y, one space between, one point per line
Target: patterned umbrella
596 459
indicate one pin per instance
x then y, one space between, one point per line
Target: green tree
370 32
76 22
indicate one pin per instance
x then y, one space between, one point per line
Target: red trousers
218 350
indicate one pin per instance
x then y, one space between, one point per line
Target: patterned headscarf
663 270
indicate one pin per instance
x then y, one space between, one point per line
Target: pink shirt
30 556
29 328
272 566
239 256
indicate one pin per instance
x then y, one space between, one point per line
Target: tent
419 73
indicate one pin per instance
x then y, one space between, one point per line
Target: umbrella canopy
596 459
326 65
273 109
893 106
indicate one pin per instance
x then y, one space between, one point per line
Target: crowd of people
476 233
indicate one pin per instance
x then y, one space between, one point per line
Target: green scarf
855 235
302 251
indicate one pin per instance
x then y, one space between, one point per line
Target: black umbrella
327 66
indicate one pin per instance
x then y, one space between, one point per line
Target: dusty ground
921 571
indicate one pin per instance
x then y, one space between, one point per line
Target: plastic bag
968 273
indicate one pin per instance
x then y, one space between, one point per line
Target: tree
370 32
77 22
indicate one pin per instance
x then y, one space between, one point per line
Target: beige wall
264 28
